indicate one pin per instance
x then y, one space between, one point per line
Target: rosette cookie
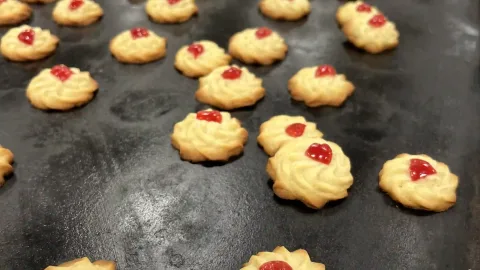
200 58
289 10
77 12
84 264
171 11
6 159
282 259
13 12
355 10
26 43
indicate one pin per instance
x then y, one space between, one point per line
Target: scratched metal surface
103 181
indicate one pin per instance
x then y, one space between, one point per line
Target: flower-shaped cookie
77 12
138 46
6 159
419 182
282 259
321 85
26 43
311 170
171 11
200 58
282 129
374 35
355 10
209 135
84 264
258 45
230 87
61 88
289 10
13 12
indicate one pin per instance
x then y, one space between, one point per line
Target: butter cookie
13 12
77 12
171 11
282 259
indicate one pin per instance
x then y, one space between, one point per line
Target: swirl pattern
84 264
6 159
211 58
298 259
290 10
348 11
246 47
126 49
43 45
298 177
47 92
162 11
230 94
88 13
435 192
13 12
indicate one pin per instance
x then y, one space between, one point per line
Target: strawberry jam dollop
275 265
295 130
139 32
364 8
420 169
1 1
263 32
173 2
378 20
232 73
75 4
62 72
325 70
210 116
320 152
27 36
196 49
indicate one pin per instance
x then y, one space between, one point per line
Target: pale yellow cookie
355 10
84 264
13 12
282 259
77 12
419 182
258 45
374 35
200 58
171 11
39 1
209 136
26 43
282 129
61 88
289 10
321 85
230 87
6 159
138 46
311 170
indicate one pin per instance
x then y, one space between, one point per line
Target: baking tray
103 181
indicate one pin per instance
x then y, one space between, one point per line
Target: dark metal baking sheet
103 181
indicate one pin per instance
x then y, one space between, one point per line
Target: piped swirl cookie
138 46
419 182
258 46
289 10
26 43
230 87
77 12
282 259
13 12
317 86
171 11
200 58
209 136
311 170
355 10
61 88
282 129
84 264
6 159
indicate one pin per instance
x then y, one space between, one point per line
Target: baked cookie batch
302 164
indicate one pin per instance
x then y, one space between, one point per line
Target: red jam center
263 32
1 1
364 8
275 265
173 2
62 72
210 116
139 32
232 73
420 169
295 130
320 152
196 49
378 20
27 36
325 70
74 4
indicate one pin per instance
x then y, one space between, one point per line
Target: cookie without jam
84 264
289 10
6 159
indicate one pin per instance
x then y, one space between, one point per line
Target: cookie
419 182
209 136
311 170
289 10
257 46
6 159
77 12
138 46
13 12
282 259
171 11
230 87
355 10
282 129
374 35
39 1
26 43
61 88
317 86
84 264
200 58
